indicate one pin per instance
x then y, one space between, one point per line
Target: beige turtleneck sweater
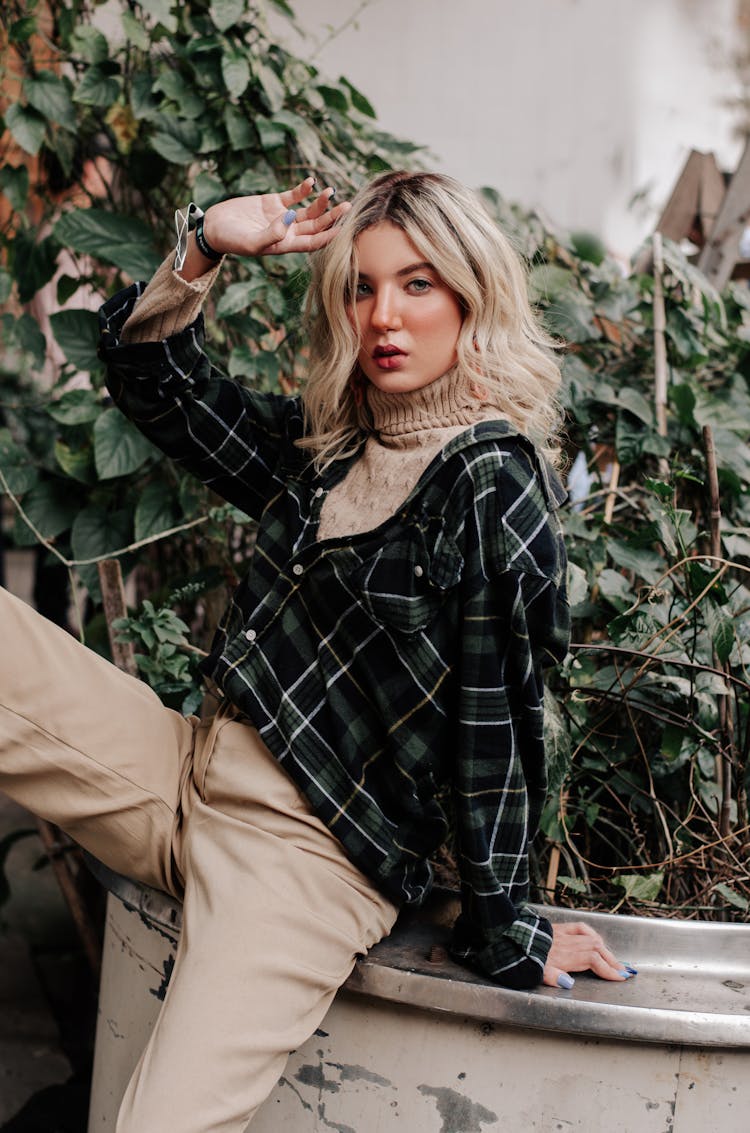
409 428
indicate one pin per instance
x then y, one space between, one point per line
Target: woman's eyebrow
404 271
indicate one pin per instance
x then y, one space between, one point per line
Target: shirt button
251 635
418 572
298 569
318 493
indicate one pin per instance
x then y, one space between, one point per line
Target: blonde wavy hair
500 347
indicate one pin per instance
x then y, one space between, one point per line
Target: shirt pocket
403 586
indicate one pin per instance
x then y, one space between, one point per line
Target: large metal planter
414 1042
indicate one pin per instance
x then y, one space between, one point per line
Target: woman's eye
419 285
361 290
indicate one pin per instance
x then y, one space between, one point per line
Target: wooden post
724 711
115 606
660 345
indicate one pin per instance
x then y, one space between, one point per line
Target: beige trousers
274 912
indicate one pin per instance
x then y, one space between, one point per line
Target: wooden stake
726 722
660 344
115 606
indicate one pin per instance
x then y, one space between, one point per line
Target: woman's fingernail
565 981
289 217
629 968
333 193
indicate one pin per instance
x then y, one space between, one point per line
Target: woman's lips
388 357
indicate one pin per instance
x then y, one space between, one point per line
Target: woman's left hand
576 947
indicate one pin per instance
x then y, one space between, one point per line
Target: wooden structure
712 210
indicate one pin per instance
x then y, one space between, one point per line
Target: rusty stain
459 1113
284 1081
333 1124
310 1075
353 1073
161 990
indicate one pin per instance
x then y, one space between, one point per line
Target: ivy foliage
649 728
111 122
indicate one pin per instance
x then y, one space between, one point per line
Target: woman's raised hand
577 947
264 226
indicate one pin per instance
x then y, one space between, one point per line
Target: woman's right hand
576 947
264 226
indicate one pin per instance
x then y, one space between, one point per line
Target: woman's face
408 319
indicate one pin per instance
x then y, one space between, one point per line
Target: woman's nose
386 313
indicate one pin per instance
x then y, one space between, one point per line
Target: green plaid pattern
395 674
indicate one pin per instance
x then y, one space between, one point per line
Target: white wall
572 106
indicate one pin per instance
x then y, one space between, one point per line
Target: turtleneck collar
446 402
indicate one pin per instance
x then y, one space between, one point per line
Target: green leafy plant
648 719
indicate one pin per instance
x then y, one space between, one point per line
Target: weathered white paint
379 1066
572 106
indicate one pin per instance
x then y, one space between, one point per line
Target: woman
380 664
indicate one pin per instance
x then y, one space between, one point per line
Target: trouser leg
274 917
89 748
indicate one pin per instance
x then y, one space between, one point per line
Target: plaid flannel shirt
395 674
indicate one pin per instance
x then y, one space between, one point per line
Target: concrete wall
573 106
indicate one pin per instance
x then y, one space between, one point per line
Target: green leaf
573 883
636 404
50 95
225 13
98 532
271 133
549 281
334 98
161 11
77 333
24 333
640 886
556 743
272 87
237 297
720 625
732 896
76 461
34 263
50 507
156 510
76 407
646 563
119 448
359 102
616 589
189 103
98 88
67 285
682 399
305 136
27 126
14 184
21 31
239 130
123 241
135 32
172 149
20 474
571 318
89 44
235 71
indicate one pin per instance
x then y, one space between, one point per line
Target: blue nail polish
289 217
629 968
565 981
